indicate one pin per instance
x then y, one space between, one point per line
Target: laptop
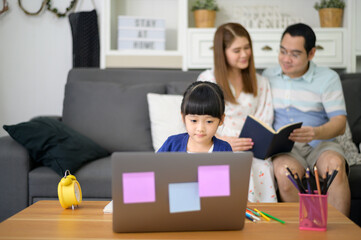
176 191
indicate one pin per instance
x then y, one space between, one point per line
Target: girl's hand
303 134
239 144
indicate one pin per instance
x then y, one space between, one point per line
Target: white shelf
173 11
180 51
144 53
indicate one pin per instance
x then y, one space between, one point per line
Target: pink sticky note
138 187
213 180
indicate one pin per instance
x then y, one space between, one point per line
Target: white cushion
165 117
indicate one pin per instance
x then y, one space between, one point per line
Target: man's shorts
307 156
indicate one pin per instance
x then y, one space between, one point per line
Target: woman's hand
238 144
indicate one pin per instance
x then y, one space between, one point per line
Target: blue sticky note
183 197
138 187
214 180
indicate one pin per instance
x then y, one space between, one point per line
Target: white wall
35 57
36 54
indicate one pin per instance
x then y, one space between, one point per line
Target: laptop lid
177 191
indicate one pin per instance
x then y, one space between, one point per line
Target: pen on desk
292 180
254 212
317 180
250 218
253 216
274 218
264 216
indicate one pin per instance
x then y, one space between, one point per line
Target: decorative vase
204 18
330 17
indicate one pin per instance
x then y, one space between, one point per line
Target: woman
245 93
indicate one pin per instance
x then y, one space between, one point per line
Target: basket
331 17
204 18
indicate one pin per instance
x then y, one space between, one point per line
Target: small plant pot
330 17
204 18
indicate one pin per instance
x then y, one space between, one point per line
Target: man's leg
339 194
288 192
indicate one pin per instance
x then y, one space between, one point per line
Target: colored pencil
264 216
327 175
319 192
332 177
250 218
292 180
317 180
254 212
274 218
289 170
324 184
309 189
299 183
253 216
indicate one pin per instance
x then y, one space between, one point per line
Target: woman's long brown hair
223 39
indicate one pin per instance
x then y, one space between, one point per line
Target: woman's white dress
262 181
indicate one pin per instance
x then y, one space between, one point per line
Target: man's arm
333 128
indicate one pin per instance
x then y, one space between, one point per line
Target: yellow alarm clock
69 191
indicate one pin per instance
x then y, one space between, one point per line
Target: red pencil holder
313 212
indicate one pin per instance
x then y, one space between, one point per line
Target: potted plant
330 12
205 13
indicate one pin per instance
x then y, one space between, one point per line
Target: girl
246 93
202 112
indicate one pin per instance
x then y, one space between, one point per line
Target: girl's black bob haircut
203 98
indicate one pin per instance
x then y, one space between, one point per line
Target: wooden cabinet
199 48
266 46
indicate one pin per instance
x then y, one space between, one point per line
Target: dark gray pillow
113 115
55 145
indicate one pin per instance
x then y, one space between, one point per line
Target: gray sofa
110 107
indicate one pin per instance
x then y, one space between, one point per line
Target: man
301 91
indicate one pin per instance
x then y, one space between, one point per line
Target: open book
268 142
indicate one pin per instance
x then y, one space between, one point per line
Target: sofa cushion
53 144
165 117
178 88
352 154
111 114
351 84
354 179
94 179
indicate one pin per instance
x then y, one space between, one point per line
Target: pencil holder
313 212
